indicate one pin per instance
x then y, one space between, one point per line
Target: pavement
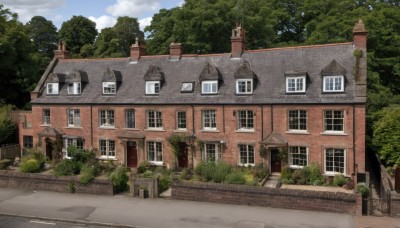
125 211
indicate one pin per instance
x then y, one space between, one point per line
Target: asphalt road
20 222
154 213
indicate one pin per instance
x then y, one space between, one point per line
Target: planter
142 193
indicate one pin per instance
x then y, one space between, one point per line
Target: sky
103 12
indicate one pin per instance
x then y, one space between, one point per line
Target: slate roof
268 67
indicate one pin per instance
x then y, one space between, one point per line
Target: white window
209 87
297 120
130 118
52 88
245 120
46 116
107 118
109 87
295 84
155 152
333 83
187 87
246 153
298 156
335 161
212 152
74 117
209 122
107 148
154 120
333 121
77 142
181 120
244 86
152 87
74 88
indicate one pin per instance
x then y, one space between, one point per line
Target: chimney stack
175 50
237 42
61 52
137 50
360 35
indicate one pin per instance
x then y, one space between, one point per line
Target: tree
8 129
43 35
77 32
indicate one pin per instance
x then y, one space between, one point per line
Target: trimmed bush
30 166
119 179
222 170
88 173
362 188
339 180
144 166
67 167
260 171
35 154
235 178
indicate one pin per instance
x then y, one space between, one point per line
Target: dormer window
109 87
209 87
296 84
333 83
52 88
74 88
244 86
187 87
152 87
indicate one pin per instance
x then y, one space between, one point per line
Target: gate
381 204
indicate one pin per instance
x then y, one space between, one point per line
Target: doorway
276 164
183 155
131 154
49 148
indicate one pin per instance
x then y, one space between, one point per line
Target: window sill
181 130
131 129
298 132
155 129
71 127
296 167
156 163
45 125
246 165
107 158
108 128
210 130
245 131
332 174
334 133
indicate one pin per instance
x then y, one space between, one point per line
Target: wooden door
131 154
183 155
49 148
275 161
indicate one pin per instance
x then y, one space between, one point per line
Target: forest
204 26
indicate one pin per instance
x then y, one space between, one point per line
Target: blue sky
103 12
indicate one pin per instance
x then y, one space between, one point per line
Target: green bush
339 180
286 173
362 188
315 177
199 168
5 163
30 166
235 178
297 176
88 173
222 170
165 182
144 166
107 167
67 167
260 171
37 155
119 179
287 181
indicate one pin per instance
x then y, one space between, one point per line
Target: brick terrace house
308 100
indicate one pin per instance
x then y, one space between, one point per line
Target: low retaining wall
35 181
270 197
394 204
149 184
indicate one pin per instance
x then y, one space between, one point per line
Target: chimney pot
137 50
237 42
175 50
61 52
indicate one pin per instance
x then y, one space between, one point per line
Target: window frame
130 118
111 86
333 124
158 157
75 89
187 90
152 88
76 117
108 119
46 118
107 149
246 85
335 164
78 142
209 83
296 124
180 122
299 153
52 88
156 120
217 152
296 84
27 141
247 120
210 119
334 84
246 153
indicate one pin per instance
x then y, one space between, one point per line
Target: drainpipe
193 136
223 118
272 118
354 144
91 125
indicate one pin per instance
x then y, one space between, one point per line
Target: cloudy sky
103 12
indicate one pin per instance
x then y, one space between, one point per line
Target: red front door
131 154
183 155
275 161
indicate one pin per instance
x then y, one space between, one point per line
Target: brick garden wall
394 204
34 181
269 197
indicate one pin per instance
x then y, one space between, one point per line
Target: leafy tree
107 45
8 129
43 34
77 32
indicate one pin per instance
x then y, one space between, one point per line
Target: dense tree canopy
43 34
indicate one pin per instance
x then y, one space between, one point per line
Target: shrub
164 182
144 166
37 155
88 173
296 176
222 170
186 174
147 174
287 181
235 178
286 173
260 171
67 167
315 175
30 166
339 180
107 167
119 179
363 190
199 168
349 185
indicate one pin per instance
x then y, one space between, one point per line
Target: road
20 222
118 210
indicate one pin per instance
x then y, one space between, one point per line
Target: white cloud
133 8
26 9
145 22
103 22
